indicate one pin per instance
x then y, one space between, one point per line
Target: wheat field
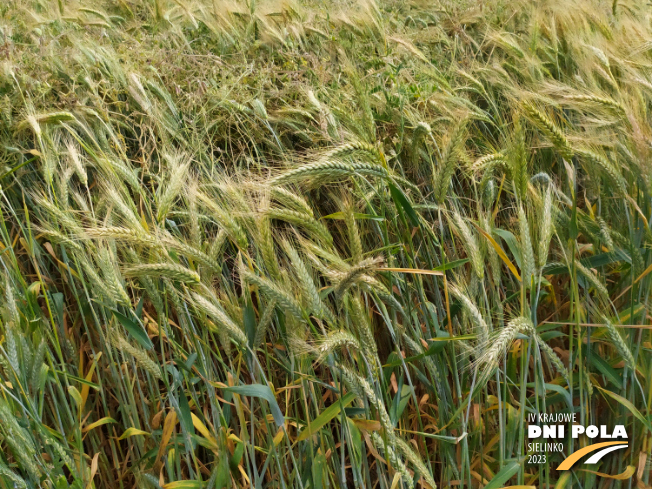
313 245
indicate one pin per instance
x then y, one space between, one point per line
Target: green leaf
632 409
187 365
201 441
402 202
356 440
607 370
445 337
405 395
605 259
184 485
235 459
451 264
185 416
135 330
79 379
57 305
139 308
438 343
319 468
325 417
512 244
436 346
504 475
222 476
563 481
262 392
594 261
561 392
17 167
549 335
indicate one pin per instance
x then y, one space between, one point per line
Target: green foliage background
313 245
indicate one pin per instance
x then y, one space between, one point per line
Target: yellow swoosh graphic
575 456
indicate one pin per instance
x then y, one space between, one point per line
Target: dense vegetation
312 245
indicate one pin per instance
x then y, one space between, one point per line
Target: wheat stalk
527 252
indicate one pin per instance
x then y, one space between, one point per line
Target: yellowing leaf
645 272
629 471
89 378
367 424
201 427
500 251
244 473
234 438
168 428
94 465
183 485
132 432
74 393
396 480
278 438
50 250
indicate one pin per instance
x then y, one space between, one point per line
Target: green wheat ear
603 163
546 227
474 313
218 314
554 134
470 242
489 355
620 345
443 173
164 270
142 358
